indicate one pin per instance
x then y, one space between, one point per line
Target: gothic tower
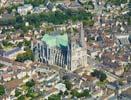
76 53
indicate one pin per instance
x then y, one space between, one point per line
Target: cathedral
65 49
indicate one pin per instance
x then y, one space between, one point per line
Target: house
10 52
21 75
127 94
6 61
39 9
97 93
81 1
17 1
62 7
6 77
13 84
90 79
119 71
28 37
17 39
50 6
108 94
9 62
74 5
4 68
123 39
50 92
2 37
23 10
61 87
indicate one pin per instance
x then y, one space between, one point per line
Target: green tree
99 74
1 65
102 76
1 46
20 44
88 5
84 93
22 97
6 43
17 92
27 43
28 55
30 83
68 84
2 90
75 93
54 97
36 2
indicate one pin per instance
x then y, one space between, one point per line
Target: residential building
17 1
23 10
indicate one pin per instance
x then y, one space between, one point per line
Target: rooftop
55 40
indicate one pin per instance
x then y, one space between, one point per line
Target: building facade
67 50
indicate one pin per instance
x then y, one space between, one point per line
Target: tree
88 5
28 55
84 93
68 84
22 97
27 43
2 90
99 74
1 65
17 92
6 43
102 76
54 97
20 44
31 93
1 46
66 93
36 2
30 83
88 22
75 93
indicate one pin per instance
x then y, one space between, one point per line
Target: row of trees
57 17
35 2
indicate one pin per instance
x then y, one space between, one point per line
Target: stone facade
70 56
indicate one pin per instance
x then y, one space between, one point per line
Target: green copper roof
55 40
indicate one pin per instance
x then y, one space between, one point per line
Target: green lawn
7 48
101 84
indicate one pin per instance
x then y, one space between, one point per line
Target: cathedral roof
55 40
